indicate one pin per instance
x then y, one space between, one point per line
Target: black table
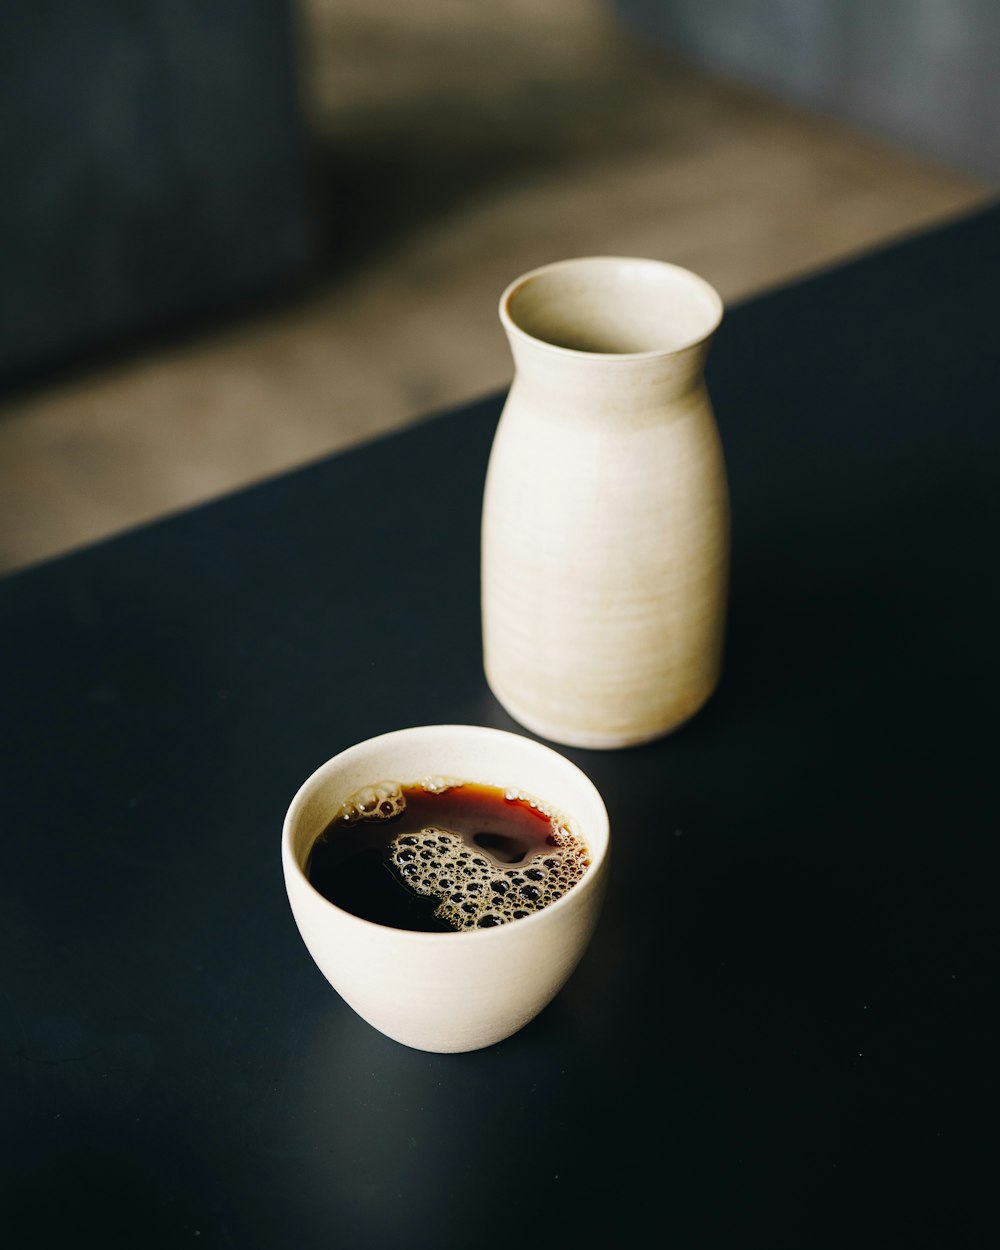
782 1034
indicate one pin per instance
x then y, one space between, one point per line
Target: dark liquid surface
464 857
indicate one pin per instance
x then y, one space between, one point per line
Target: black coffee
445 856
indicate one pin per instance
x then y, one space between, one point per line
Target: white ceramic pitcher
605 533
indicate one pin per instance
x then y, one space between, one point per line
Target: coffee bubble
382 801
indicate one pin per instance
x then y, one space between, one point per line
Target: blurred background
240 234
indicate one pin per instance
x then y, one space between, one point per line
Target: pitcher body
605 533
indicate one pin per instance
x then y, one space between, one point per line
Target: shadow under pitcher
605 530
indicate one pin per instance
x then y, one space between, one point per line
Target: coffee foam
474 891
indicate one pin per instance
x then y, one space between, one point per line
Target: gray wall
924 72
151 168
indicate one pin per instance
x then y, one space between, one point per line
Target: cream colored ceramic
605 530
447 991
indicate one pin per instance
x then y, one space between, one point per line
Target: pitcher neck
598 383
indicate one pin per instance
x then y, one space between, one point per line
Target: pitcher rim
696 280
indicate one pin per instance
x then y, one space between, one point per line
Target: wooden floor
458 146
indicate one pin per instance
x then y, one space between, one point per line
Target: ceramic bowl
447 991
